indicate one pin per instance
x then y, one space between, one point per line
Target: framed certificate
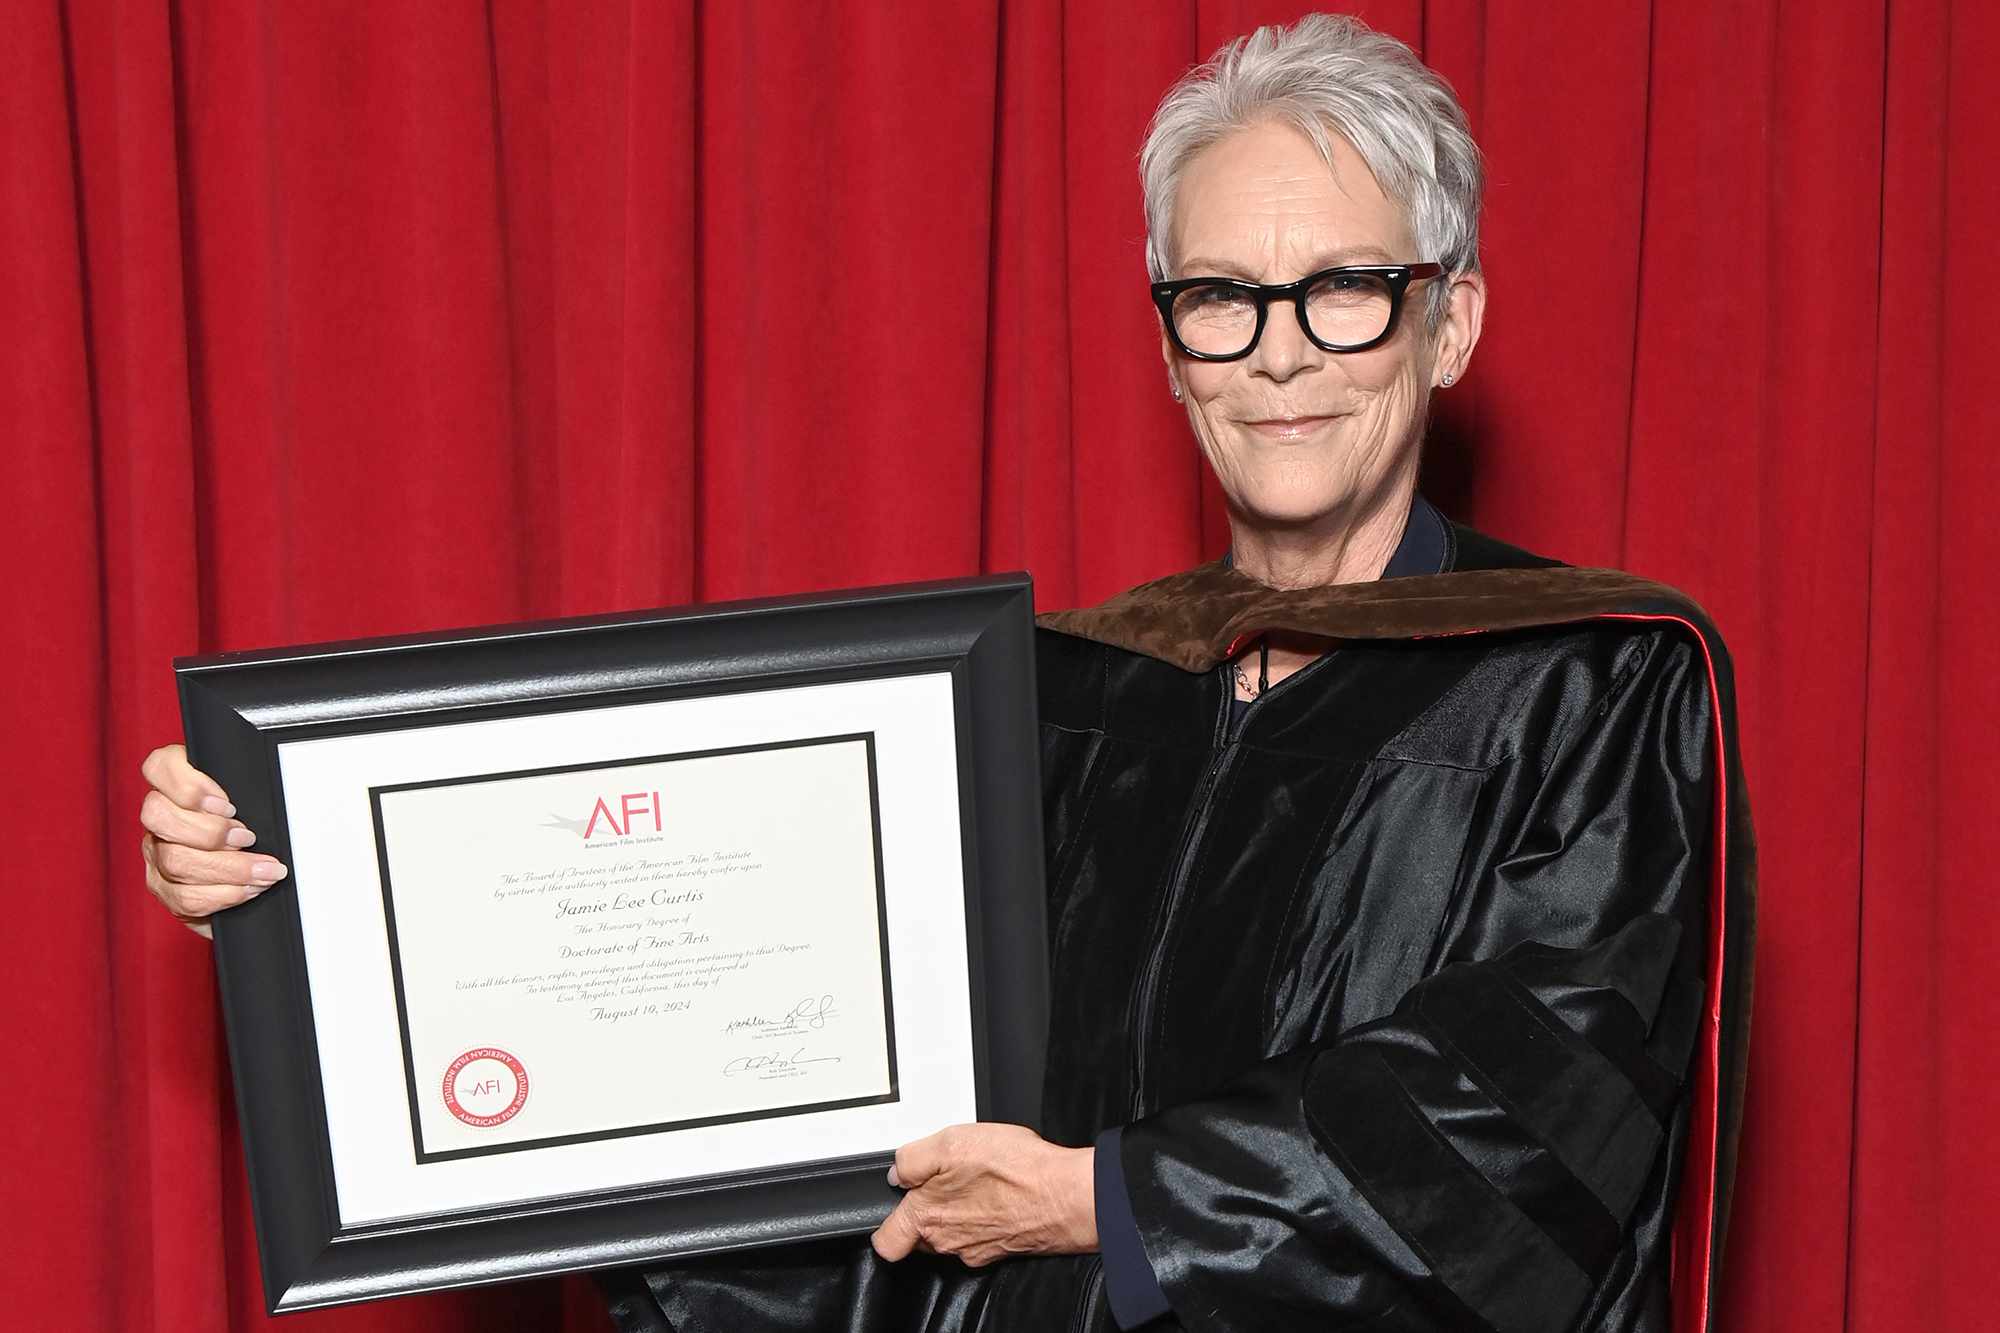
617 939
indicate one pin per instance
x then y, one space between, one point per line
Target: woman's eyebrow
1219 267
1196 265
1350 254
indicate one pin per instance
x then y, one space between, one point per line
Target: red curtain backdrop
326 319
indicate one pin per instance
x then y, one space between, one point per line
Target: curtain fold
327 319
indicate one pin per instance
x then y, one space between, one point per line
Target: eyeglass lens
1344 309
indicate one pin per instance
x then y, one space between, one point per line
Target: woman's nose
1284 350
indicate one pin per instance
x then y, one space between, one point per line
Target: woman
1398 878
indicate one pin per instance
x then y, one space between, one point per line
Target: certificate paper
710 924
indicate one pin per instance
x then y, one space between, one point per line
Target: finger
167 769
194 902
919 1160
191 901
191 828
191 865
898 1234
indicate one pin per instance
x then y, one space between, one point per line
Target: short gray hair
1328 75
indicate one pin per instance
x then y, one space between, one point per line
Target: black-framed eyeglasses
1346 309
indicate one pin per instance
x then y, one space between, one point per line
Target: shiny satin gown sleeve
1472 1160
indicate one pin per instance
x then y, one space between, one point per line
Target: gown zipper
1149 975
1145 996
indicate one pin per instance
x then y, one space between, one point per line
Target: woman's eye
1217 298
1348 289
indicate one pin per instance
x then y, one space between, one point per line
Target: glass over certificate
722 910
614 940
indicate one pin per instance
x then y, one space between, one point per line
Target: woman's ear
1458 331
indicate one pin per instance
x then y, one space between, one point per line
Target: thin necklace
1263 669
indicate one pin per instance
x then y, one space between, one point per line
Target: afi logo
633 806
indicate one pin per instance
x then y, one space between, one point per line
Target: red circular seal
485 1087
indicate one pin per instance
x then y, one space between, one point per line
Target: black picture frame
239 707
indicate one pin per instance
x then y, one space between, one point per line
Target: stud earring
1447 379
1174 387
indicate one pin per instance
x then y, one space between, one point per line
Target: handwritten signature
810 1013
775 1064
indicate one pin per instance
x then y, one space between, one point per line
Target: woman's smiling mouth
1287 428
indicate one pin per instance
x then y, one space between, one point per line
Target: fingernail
215 805
893 1180
267 872
239 837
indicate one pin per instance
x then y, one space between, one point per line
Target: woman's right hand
196 864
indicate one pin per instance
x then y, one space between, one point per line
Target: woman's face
1302 438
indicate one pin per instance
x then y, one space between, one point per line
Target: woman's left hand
985 1191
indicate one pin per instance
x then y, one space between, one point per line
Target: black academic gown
1421 994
